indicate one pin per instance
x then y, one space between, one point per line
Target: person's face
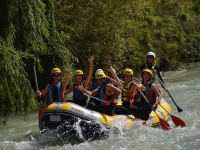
101 81
150 59
145 76
56 77
127 78
78 78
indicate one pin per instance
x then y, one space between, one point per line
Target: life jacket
55 93
108 81
153 77
77 94
128 95
101 94
149 94
137 97
95 85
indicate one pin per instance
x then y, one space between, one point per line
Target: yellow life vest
128 95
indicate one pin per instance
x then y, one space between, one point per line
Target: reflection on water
184 86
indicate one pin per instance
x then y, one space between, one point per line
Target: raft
68 114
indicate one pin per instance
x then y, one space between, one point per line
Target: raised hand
109 63
91 59
67 70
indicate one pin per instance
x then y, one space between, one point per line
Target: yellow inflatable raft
68 113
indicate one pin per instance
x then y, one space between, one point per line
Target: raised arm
87 80
66 82
43 92
113 81
113 74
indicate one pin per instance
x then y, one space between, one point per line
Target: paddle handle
117 78
36 82
71 64
111 68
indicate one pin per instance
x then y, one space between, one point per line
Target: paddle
178 108
40 112
72 64
163 123
177 121
141 114
111 68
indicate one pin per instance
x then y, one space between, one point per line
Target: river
184 87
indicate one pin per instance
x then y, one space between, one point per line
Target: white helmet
151 54
98 70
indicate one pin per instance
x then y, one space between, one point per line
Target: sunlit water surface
184 86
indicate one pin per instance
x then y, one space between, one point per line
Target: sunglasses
56 75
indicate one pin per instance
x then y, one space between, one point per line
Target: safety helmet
151 54
110 70
55 70
100 75
78 72
128 71
147 70
98 70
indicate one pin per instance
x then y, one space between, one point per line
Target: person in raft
128 85
56 88
78 97
106 92
152 93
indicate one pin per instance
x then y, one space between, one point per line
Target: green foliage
54 33
27 34
15 89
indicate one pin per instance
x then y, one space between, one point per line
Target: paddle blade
179 109
177 121
164 124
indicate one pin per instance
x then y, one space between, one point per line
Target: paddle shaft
178 108
94 97
71 64
40 112
36 82
120 84
143 115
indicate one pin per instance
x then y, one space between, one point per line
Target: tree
27 34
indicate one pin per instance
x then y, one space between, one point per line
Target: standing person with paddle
56 88
78 96
155 69
106 92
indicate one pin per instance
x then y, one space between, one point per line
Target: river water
184 87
